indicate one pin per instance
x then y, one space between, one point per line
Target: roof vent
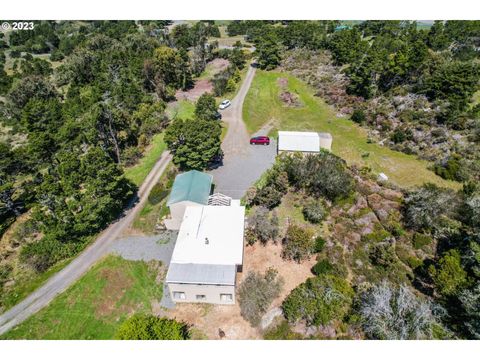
206 241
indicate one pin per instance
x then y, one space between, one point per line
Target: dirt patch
282 82
209 319
117 283
201 87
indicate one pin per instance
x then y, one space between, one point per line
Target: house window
179 295
201 297
226 297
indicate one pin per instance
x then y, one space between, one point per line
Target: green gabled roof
191 186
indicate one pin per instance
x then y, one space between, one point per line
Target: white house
207 255
189 189
303 141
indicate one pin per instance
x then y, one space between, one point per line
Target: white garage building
207 255
303 141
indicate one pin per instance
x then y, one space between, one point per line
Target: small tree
206 107
298 243
149 327
256 293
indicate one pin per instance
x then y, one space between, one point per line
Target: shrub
322 174
314 211
382 254
149 327
298 243
157 194
256 293
358 116
426 207
389 313
282 331
449 277
400 135
319 300
319 244
421 240
268 197
5 272
262 225
322 267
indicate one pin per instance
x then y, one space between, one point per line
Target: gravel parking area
240 172
146 248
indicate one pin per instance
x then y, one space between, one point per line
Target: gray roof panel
201 274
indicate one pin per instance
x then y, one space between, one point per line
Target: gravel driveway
243 163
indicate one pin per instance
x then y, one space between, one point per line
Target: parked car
224 104
260 140
217 116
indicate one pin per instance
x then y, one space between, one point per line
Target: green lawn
94 306
139 172
182 109
263 105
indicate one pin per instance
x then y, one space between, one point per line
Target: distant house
207 255
342 27
189 189
303 141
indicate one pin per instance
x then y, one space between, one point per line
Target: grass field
95 305
263 106
139 172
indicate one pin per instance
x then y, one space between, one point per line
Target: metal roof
191 186
201 274
303 141
211 235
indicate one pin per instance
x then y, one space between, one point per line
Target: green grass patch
97 304
139 172
263 105
182 109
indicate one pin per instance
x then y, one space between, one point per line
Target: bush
149 327
359 116
389 313
319 244
322 174
426 207
256 293
282 331
157 194
268 197
322 267
421 240
401 135
314 211
449 277
383 254
298 243
319 300
262 226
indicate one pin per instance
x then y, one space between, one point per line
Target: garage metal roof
192 186
201 274
298 141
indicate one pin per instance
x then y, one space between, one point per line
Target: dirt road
80 265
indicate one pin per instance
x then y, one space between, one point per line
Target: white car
224 104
